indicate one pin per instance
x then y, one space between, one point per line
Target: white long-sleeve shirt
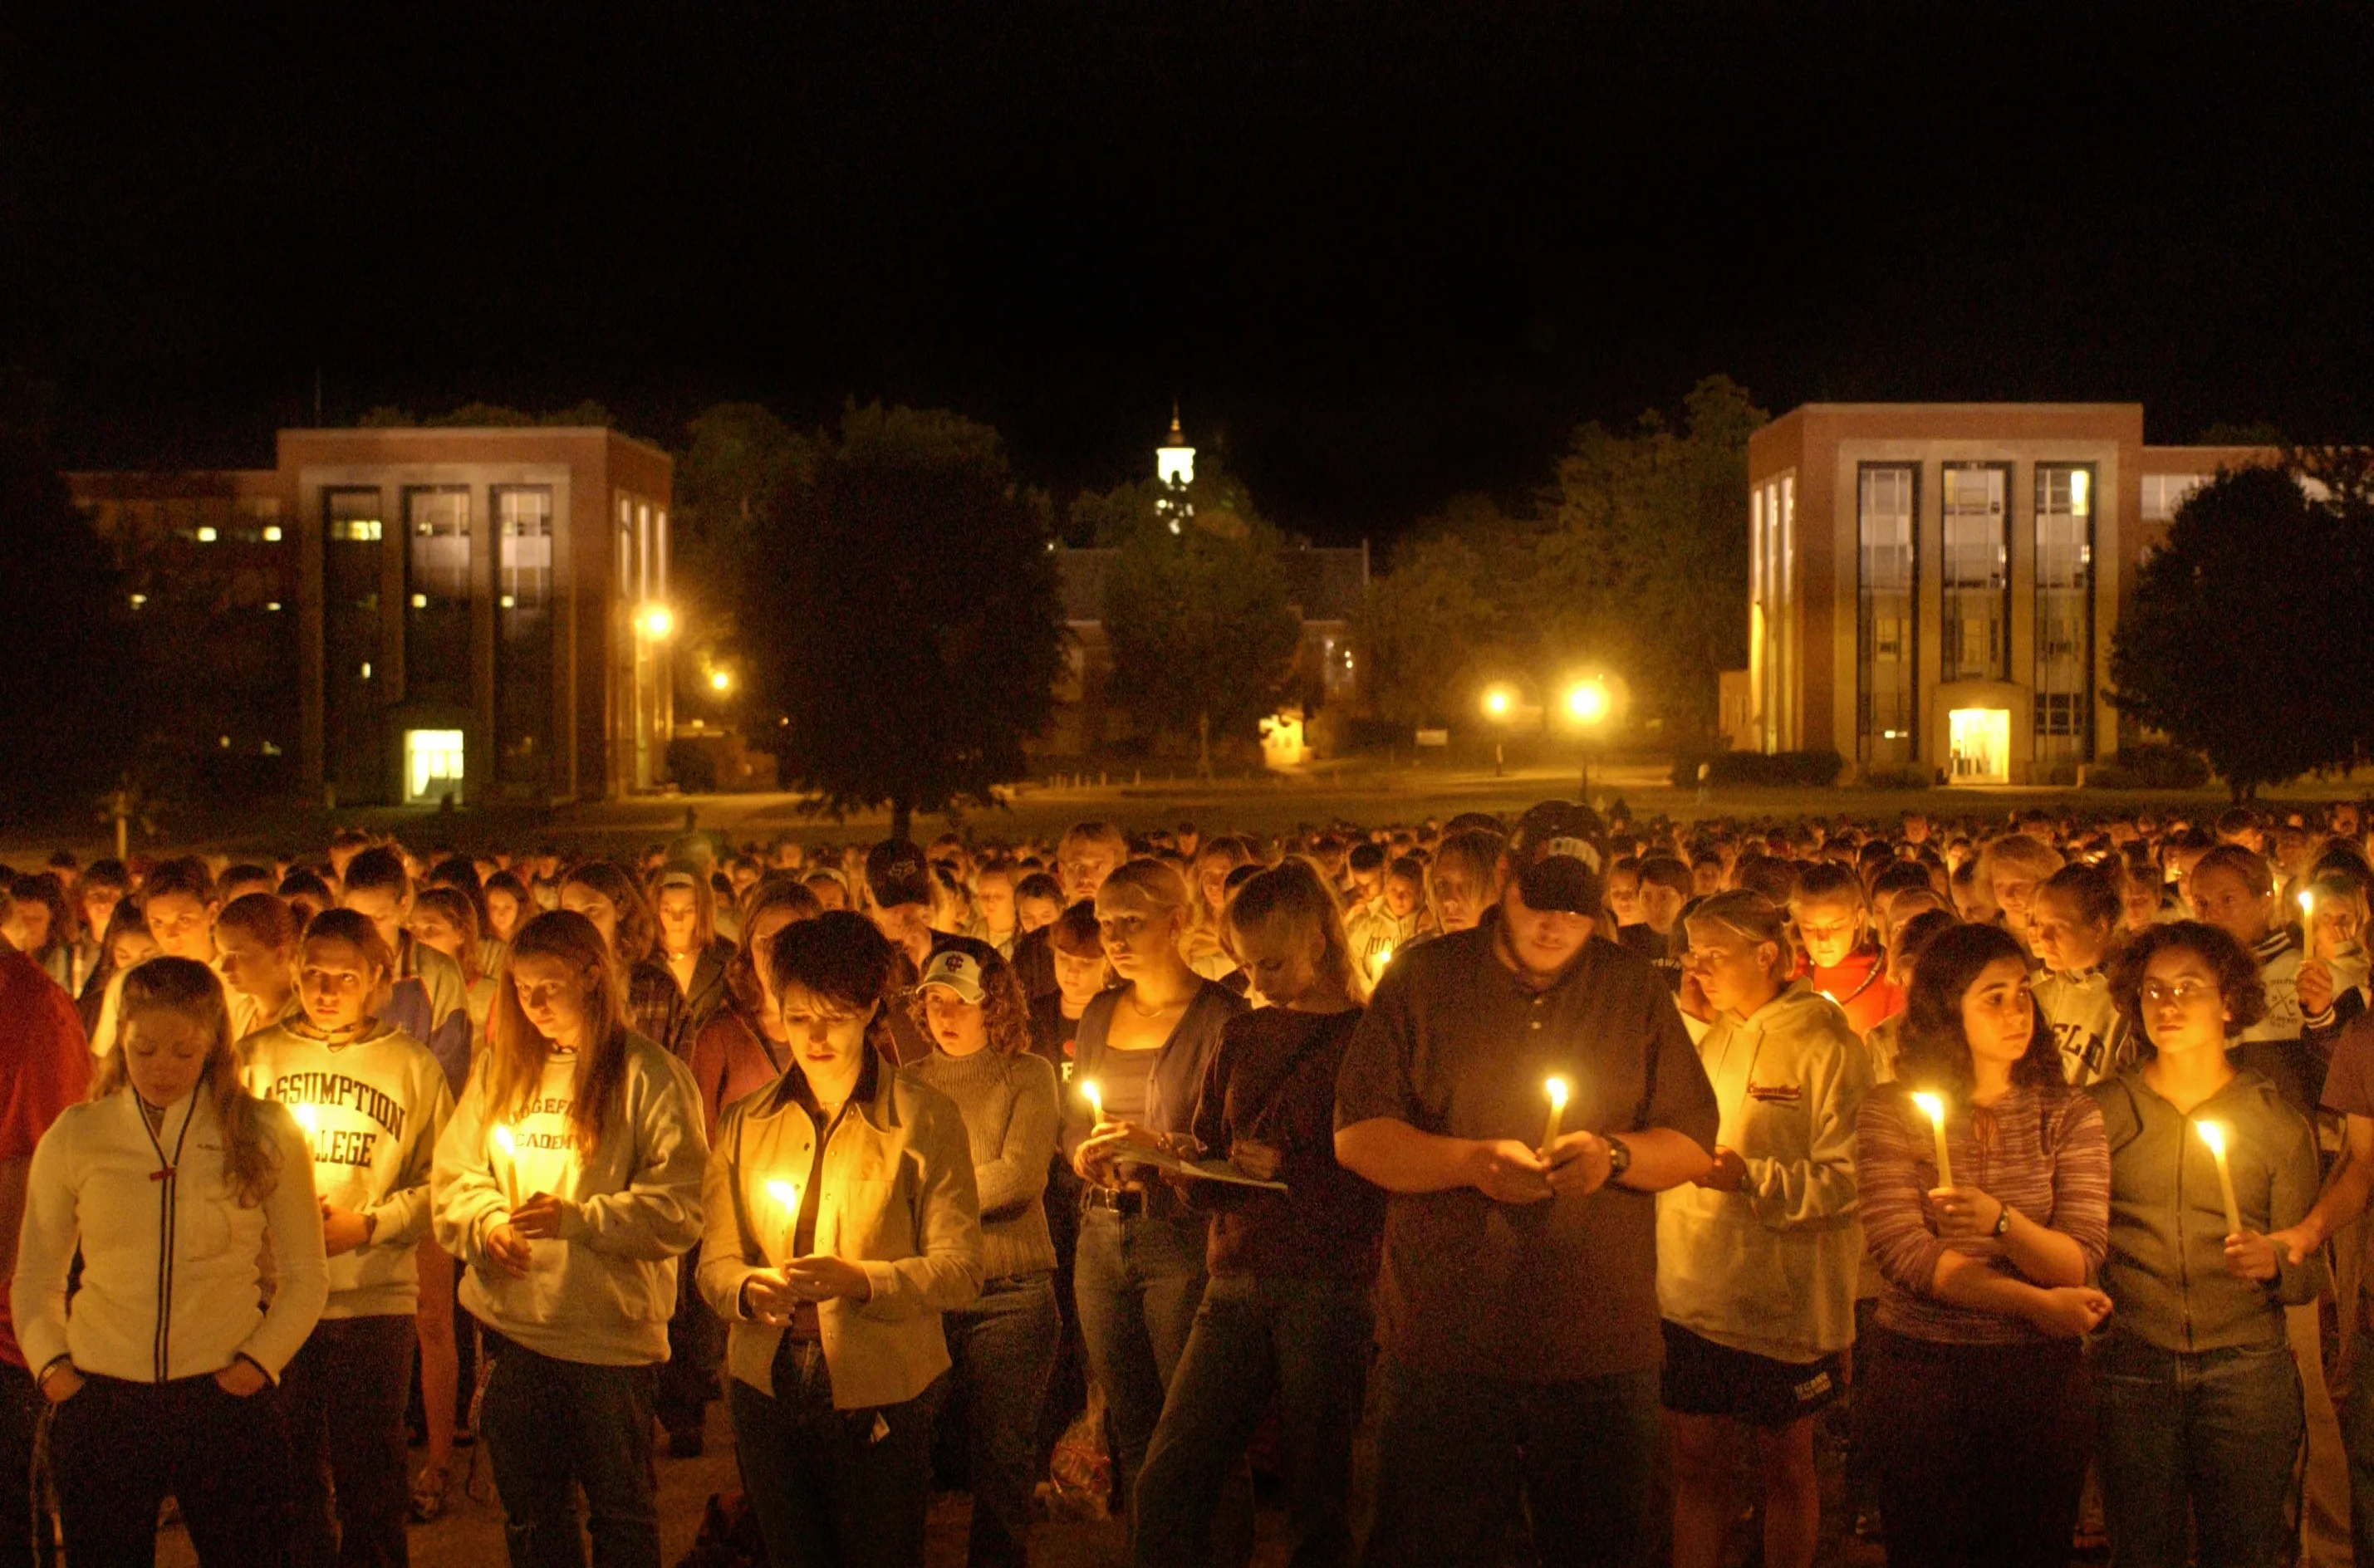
601 1292
377 1105
173 1265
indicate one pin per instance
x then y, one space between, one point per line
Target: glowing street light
657 621
1587 701
1499 706
720 682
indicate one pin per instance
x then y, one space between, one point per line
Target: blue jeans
549 1424
2214 1430
1453 1449
1139 1280
1003 1346
849 1488
1303 1341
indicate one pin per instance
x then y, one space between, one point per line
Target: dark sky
1382 254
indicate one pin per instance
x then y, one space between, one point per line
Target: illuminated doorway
1978 742
432 766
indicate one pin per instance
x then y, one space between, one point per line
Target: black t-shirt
1454 1044
1051 1034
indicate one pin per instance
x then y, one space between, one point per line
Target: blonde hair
1753 916
251 1163
1293 896
517 1051
1158 881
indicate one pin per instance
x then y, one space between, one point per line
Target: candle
1376 964
311 1120
2214 1134
1555 1089
509 1146
2308 926
1096 1098
1935 1109
787 1194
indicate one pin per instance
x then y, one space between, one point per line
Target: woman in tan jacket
842 1222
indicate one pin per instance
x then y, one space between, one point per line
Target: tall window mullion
2064 611
1885 634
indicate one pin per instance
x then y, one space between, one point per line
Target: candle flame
1932 1106
2213 1134
1556 1088
308 1117
1095 1097
506 1142
1384 956
2308 903
785 1193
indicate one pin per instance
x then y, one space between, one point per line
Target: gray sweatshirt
1009 1106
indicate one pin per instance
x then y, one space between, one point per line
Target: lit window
432 766
366 669
272 534
273 605
420 601
138 600
207 535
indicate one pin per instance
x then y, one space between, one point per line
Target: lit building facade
418 615
1934 586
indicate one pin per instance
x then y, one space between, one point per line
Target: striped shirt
2046 1157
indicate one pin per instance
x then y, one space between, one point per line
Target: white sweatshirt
377 1105
600 1293
173 1267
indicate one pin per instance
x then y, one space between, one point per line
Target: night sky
1382 255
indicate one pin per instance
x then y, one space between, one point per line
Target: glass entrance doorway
1978 740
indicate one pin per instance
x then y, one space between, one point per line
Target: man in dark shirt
1519 1293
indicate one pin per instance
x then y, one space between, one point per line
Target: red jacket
1860 984
44 1068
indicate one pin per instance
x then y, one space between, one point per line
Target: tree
1204 636
1643 566
1427 629
2247 626
69 694
740 463
904 623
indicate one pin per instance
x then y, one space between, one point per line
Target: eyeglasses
2184 993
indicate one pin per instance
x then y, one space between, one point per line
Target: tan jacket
898 1199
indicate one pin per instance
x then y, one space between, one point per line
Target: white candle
1935 1109
1555 1089
786 1194
509 1173
2308 926
1096 1098
2214 1134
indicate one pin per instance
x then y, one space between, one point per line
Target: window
2164 493
523 633
351 577
2064 611
432 766
437 611
1773 574
1976 584
1885 611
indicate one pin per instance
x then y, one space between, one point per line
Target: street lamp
1588 704
657 621
1499 706
720 682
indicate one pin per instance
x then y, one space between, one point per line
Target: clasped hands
1509 1172
771 1295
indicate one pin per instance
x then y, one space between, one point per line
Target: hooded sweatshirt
601 1290
1771 1268
2094 1041
376 1105
2166 1271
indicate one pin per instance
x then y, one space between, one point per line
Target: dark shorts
1703 1378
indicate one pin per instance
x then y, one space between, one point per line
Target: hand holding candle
1934 1107
1095 1095
2214 1134
1555 1089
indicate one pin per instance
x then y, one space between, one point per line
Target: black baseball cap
897 874
1560 854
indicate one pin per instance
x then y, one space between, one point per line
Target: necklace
1147 1013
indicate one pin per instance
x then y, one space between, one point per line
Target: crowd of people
2027 1156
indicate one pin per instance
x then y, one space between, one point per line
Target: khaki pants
2324 1481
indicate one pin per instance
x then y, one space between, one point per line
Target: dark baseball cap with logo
897 874
1558 853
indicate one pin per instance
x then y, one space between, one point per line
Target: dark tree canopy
2246 625
66 682
902 621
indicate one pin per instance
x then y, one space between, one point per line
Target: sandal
428 1489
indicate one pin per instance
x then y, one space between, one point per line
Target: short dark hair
188 875
2238 984
1827 879
1075 932
379 868
838 955
1039 884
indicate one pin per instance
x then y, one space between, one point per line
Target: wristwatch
1619 1158
2002 1220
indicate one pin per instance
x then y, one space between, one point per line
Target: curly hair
2238 985
1935 1049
